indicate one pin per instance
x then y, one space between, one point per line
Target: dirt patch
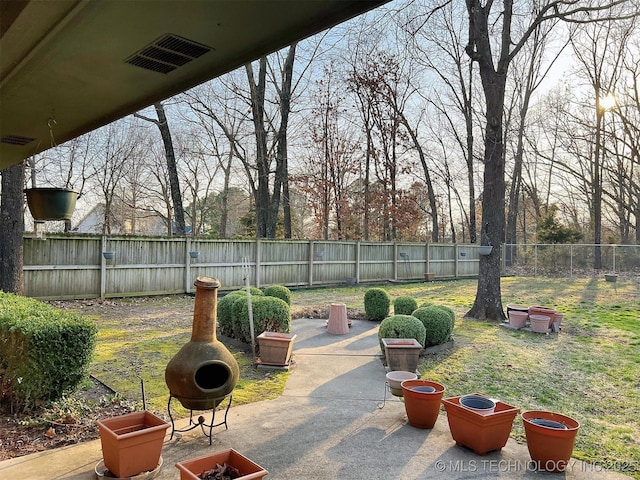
69 421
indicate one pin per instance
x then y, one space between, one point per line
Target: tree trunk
262 197
282 168
597 185
488 301
468 117
176 194
12 230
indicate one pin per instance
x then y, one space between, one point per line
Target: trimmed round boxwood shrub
45 351
278 291
404 305
450 312
377 303
225 309
437 322
401 326
269 314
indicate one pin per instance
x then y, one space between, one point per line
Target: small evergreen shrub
426 303
401 326
269 314
225 311
437 322
404 305
376 303
450 312
279 291
45 351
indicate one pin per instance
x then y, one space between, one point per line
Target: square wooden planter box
402 353
275 348
191 469
481 433
132 443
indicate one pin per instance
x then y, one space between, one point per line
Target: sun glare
608 102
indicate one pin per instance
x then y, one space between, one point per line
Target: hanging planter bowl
51 203
485 249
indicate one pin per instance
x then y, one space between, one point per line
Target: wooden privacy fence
67 267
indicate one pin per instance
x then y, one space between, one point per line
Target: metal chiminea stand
201 421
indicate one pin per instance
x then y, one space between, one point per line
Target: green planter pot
51 203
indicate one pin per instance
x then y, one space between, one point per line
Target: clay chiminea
203 372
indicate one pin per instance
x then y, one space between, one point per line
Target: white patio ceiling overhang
85 63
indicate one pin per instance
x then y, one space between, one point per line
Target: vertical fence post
426 260
535 260
258 259
395 260
103 267
187 264
456 254
311 254
571 261
358 261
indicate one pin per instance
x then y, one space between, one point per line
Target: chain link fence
562 260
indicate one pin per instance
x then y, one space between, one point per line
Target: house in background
123 221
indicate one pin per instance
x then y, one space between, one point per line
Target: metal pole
571 264
247 270
614 259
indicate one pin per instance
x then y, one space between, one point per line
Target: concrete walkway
327 425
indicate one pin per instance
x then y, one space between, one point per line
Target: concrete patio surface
328 424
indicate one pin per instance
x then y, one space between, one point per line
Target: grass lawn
590 371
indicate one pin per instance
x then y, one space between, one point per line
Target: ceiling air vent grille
167 53
16 140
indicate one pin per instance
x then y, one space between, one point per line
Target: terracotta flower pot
546 311
481 433
402 353
191 469
557 320
275 348
132 443
518 319
422 407
539 323
550 448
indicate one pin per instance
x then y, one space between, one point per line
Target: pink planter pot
518 319
546 311
539 323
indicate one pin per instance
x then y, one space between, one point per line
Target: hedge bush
450 312
279 291
45 351
401 326
404 305
437 322
376 303
269 314
225 311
